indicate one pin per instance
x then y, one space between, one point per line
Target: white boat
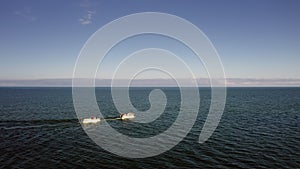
91 120
129 115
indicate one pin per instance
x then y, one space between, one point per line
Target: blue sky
41 39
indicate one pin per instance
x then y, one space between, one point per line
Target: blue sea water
259 129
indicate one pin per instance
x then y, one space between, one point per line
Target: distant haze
205 82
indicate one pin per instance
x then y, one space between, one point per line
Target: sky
255 39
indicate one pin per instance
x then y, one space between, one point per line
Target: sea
259 128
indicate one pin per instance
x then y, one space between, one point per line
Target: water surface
259 129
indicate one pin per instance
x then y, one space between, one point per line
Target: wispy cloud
263 82
25 13
87 19
86 5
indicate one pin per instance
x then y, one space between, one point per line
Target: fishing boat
91 120
129 115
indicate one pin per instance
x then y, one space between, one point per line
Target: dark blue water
259 129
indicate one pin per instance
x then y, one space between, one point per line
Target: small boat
91 120
129 115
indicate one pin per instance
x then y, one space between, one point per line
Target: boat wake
41 121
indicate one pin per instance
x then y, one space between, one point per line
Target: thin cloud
87 19
263 82
85 4
25 13
87 7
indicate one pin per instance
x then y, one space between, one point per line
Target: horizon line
155 82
